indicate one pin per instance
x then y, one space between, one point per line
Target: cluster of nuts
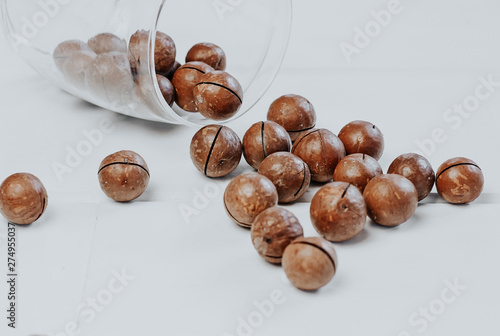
110 70
339 209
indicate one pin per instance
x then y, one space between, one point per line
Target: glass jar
253 33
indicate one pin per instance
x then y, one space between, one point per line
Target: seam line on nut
222 86
211 149
459 164
125 163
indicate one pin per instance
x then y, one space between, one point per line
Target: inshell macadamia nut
184 80
208 53
272 231
295 113
218 95
289 174
66 49
459 180
247 195
262 139
357 169
321 150
391 199
23 198
123 176
216 150
310 263
338 211
166 88
107 42
417 169
165 51
362 137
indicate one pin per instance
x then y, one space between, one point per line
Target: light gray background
200 277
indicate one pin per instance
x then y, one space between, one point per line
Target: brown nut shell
107 42
170 73
66 49
362 137
310 263
417 169
321 150
218 95
208 53
184 80
295 113
123 176
289 174
459 181
262 139
165 51
166 88
23 198
391 199
216 150
247 195
338 211
357 169
75 66
272 231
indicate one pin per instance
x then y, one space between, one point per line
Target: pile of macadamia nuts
113 72
339 209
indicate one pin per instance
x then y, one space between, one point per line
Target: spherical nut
295 113
362 137
218 95
262 139
321 150
310 263
216 150
123 176
247 195
289 174
357 169
107 42
184 80
66 49
338 211
208 53
417 169
165 52
390 199
75 66
459 181
23 198
166 88
272 231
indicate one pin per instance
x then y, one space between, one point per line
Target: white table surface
202 276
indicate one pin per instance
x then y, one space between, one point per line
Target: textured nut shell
170 73
75 66
321 150
107 42
208 53
66 49
262 139
123 176
417 169
310 263
184 80
216 150
218 95
362 137
357 169
459 181
23 198
165 51
272 231
338 211
108 78
166 88
289 174
390 199
247 195
295 113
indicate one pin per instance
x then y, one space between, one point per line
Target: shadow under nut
247 195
